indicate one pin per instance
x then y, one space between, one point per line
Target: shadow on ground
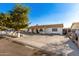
73 47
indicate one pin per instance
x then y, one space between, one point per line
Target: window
54 29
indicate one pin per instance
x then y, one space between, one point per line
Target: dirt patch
10 48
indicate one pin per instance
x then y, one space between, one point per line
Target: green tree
18 18
3 18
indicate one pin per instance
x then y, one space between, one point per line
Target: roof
75 25
47 26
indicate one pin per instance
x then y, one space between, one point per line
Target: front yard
38 45
56 44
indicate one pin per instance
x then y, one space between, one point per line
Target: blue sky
49 13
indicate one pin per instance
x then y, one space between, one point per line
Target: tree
18 18
3 18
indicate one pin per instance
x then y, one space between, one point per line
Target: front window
54 29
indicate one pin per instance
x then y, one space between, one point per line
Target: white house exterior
47 29
54 31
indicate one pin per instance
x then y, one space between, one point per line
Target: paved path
51 43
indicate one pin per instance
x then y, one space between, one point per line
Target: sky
48 13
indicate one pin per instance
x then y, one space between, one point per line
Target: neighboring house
75 32
47 29
75 27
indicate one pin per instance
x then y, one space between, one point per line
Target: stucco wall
49 31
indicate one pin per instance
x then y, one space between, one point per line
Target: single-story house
75 27
75 32
47 29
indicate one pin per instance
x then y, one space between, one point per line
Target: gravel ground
55 43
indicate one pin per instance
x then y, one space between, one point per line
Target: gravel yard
55 43
9 48
38 45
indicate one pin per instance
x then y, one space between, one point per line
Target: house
75 27
47 29
75 32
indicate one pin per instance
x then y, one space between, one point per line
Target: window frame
54 29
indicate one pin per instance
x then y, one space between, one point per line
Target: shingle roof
47 26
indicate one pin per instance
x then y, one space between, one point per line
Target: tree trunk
18 34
